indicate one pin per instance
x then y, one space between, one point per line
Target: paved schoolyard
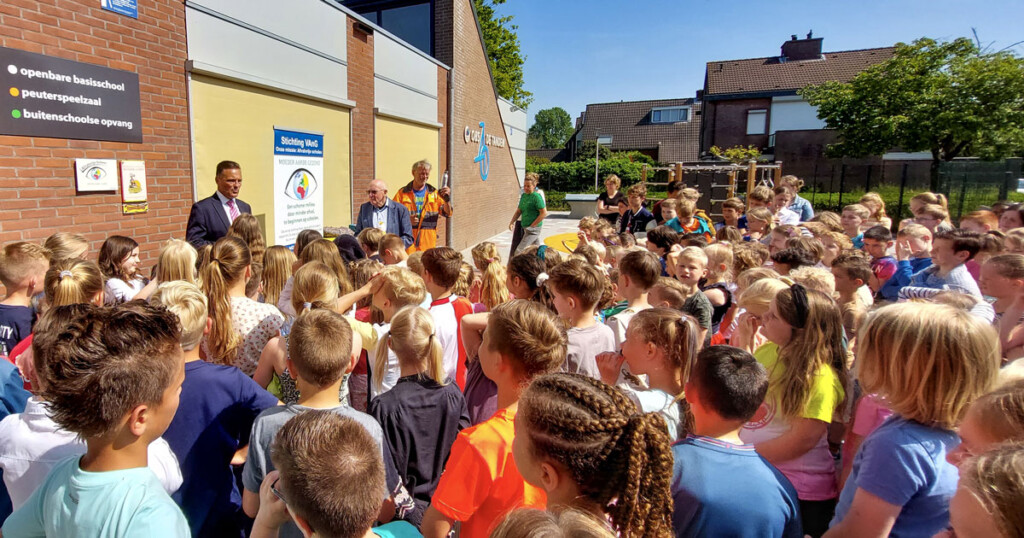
557 222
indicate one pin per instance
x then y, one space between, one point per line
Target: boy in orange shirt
480 484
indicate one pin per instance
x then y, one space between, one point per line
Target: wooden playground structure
717 182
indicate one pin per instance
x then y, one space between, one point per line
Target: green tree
948 98
551 128
503 53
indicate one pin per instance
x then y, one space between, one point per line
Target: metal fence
967 184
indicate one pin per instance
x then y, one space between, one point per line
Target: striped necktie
233 209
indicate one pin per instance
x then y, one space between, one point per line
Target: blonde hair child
806 364
1002 277
64 245
718 285
315 287
928 362
177 261
759 224
661 343
753 303
240 341
988 499
423 395
278 262
876 207
996 417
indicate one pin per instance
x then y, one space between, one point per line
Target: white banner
298 185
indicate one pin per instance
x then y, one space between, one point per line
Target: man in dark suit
384 214
211 217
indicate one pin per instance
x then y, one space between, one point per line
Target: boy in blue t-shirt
722 487
23 267
112 376
218 406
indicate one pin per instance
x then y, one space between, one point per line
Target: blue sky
595 51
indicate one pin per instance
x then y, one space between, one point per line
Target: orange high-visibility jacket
425 233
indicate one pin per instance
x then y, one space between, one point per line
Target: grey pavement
557 222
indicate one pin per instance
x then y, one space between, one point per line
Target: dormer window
670 114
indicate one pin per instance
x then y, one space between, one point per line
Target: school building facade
216 79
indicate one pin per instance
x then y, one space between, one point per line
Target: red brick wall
482 208
725 123
37 182
360 90
442 143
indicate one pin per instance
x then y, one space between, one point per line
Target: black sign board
45 96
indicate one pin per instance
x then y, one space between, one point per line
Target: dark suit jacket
398 220
207 221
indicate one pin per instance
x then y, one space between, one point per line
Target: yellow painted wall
235 122
398 145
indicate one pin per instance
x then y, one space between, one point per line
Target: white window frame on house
660 110
757 121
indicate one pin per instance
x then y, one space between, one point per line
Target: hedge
578 176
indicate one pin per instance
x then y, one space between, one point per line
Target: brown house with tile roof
667 130
755 101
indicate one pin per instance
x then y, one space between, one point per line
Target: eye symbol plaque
301 184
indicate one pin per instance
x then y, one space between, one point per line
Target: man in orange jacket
425 205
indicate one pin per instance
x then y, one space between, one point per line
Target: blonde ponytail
72 281
412 337
228 260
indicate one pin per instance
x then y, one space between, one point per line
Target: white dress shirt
380 216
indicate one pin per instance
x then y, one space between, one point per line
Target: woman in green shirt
531 213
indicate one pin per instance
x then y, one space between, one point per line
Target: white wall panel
311 23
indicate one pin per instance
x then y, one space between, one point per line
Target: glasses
375 191
277 492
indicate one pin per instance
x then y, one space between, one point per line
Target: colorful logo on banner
301 184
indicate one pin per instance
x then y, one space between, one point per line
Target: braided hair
618 457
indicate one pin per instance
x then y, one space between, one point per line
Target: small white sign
133 181
92 175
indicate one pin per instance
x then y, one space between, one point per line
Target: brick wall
360 90
37 184
482 208
725 123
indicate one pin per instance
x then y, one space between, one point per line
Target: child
112 377
320 352
832 244
686 222
119 261
913 253
576 289
585 231
725 390
988 499
980 221
759 224
390 291
247 228
524 271
851 271
481 483
801 206
718 285
877 243
638 273
636 217
1012 218
1002 278
761 196
22 271
254 286
928 362
392 251
693 195
934 217
732 214
754 301
876 207
423 412
663 242
929 198
784 196
527 522
177 261
369 242
815 278
240 327
994 418
950 251
64 245
277 269
441 266
217 407
729 234
315 287
320 456
790 259
660 344
807 379
854 216
690 269
665 210
584 443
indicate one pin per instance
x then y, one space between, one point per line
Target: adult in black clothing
608 201
211 217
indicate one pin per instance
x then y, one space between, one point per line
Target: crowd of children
779 373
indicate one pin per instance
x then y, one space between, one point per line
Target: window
413 24
756 121
670 115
